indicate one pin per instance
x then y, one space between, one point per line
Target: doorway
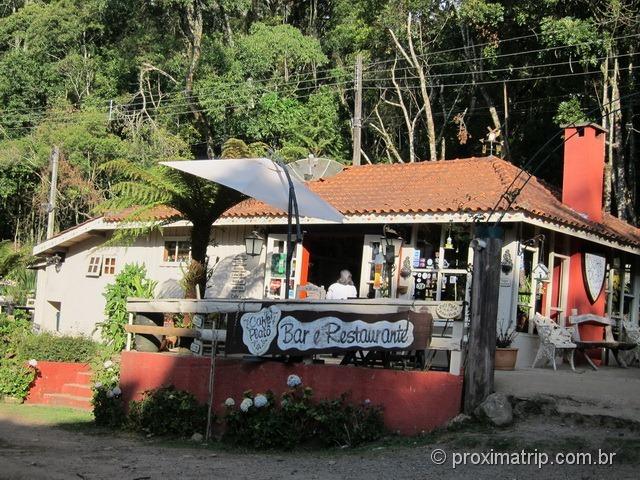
330 253
556 298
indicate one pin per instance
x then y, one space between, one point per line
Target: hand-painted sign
270 331
594 268
332 332
259 329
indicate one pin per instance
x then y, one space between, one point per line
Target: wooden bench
608 342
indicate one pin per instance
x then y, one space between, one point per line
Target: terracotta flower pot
506 358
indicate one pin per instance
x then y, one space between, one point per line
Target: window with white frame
109 265
94 266
177 251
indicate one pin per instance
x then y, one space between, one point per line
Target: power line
498 42
500 81
512 196
496 70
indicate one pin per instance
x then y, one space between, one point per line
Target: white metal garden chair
554 339
632 334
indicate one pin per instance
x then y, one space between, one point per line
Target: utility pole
505 99
478 372
51 206
357 113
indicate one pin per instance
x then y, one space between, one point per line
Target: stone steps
66 400
77 390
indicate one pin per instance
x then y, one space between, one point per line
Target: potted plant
505 358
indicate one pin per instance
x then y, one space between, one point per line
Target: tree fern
140 189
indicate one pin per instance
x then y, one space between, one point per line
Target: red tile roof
462 185
159 213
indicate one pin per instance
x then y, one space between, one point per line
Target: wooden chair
608 342
632 334
449 311
554 339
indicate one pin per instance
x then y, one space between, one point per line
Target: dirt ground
35 448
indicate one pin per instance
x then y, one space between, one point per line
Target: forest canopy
153 80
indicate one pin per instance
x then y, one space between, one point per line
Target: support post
478 374
51 207
292 211
357 113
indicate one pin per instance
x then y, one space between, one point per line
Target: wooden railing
448 334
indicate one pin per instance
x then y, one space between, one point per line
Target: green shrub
10 326
168 411
262 427
130 282
260 422
341 423
53 348
15 378
108 410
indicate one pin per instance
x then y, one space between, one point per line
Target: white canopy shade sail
263 180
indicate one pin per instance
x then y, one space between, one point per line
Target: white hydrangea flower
246 404
98 385
116 391
229 402
284 402
33 363
260 401
367 401
107 364
294 381
110 394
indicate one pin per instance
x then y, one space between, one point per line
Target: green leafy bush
130 282
108 410
260 422
18 345
342 423
16 377
168 411
53 348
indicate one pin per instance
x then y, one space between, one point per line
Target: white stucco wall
79 297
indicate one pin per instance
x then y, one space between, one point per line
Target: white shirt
338 291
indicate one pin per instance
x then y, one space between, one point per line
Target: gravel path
31 450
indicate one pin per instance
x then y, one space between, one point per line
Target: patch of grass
68 418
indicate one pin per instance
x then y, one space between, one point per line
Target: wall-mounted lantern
253 244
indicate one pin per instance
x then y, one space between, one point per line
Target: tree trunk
228 32
631 136
605 124
417 65
192 24
622 192
196 274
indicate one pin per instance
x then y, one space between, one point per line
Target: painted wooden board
273 331
594 268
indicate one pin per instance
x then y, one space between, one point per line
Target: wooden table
614 347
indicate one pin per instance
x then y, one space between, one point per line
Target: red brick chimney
583 174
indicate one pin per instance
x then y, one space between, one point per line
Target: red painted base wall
52 377
413 401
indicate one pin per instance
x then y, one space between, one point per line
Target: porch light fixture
390 249
253 244
449 243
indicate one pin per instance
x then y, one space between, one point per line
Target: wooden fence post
478 373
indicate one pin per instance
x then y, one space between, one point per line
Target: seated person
343 288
